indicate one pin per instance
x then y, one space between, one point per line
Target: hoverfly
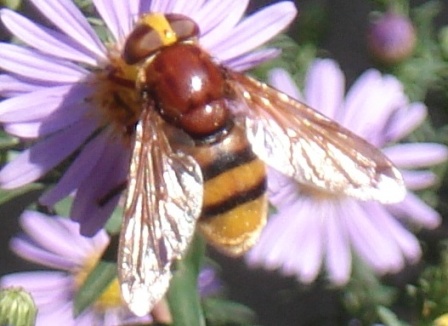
201 144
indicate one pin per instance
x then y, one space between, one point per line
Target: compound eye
141 43
153 32
184 27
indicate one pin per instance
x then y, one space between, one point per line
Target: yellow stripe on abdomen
236 231
235 203
233 182
235 207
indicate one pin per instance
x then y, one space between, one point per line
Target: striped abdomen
235 203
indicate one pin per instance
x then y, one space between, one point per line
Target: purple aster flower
312 229
59 91
55 242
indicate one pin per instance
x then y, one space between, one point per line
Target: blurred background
337 29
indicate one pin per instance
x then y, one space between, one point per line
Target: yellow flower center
116 94
442 320
111 296
318 193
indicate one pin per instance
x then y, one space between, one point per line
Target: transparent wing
164 200
314 150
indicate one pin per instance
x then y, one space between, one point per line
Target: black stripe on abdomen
235 200
227 161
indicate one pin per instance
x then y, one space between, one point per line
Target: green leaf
12 4
63 207
224 312
113 225
95 284
365 293
389 318
183 295
7 195
7 143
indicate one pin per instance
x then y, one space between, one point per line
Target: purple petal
163 6
61 236
78 171
208 282
33 163
118 15
282 190
89 317
338 256
55 235
23 130
269 251
416 180
417 155
62 314
67 17
370 103
29 251
11 86
252 59
31 64
108 176
325 85
414 210
407 242
357 94
308 246
297 249
35 106
216 18
45 39
369 240
59 120
280 79
405 121
255 30
37 281
52 292
188 7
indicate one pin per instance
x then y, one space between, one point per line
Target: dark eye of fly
148 37
183 26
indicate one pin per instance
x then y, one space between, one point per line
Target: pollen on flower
111 296
116 95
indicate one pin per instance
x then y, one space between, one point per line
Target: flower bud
391 38
17 308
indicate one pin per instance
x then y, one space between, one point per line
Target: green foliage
221 312
389 318
93 287
8 195
431 292
365 294
183 296
427 68
293 58
11 4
